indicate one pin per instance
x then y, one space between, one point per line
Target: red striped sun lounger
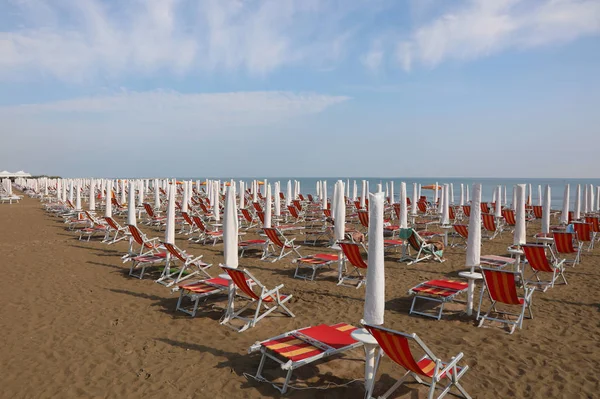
314 263
441 291
201 290
298 348
397 346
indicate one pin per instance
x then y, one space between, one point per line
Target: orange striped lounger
199 290
314 262
297 348
441 291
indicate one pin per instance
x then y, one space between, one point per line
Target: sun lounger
441 291
397 346
298 348
271 300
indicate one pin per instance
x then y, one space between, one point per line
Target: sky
412 88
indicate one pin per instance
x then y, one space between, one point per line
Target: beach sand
74 325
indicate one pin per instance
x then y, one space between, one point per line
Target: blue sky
384 88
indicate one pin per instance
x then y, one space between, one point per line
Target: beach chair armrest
449 366
194 260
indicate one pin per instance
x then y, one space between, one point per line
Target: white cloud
80 39
373 59
213 110
484 27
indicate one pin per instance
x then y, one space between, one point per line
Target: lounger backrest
563 242
462 230
484 207
415 241
239 278
187 218
247 215
536 256
502 286
422 205
281 196
297 204
203 207
112 223
261 216
489 223
357 204
363 217
537 211
257 207
174 251
352 253
327 213
584 231
273 236
451 213
594 221
396 346
293 211
198 223
301 197
136 234
509 217
310 197
467 210
397 210
148 209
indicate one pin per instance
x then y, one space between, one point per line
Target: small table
370 344
446 228
518 252
496 261
471 276
230 295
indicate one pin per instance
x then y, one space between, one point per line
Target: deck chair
489 225
248 219
298 348
352 255
295 214
187 221
397 346
141 262
501 286
115 227
426 249
584 234
363 218
466 210
188 262
440 291
484 207
204 233
460 231
148 246
251 244
200 290
277 239
509 217
564 243
313 263
271 300
152 218
96 227
542 258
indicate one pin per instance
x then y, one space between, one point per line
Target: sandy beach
75 325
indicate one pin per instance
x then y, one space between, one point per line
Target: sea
308 185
